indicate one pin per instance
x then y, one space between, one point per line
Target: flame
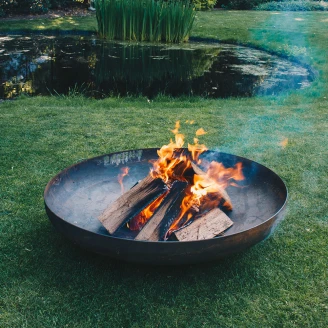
207 191
200 132
120 177
164 167
141 219
196 149
169 157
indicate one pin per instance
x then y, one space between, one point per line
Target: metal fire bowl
75 197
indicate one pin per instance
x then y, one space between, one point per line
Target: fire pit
76 198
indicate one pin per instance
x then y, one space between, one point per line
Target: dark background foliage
9 7
14 7
42 6
239 4
251 4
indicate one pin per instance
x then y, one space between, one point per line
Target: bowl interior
80 193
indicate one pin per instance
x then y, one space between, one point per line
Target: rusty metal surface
77 196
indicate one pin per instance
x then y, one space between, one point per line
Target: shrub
6 7
32 6
35 6
239 4
204 4
24 6
273 5
145 20
293 6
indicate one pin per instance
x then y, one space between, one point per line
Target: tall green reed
145 20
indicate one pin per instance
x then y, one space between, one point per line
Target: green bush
23 6
204 4
239 4
31 6
145 20
35 6
2 12
293 6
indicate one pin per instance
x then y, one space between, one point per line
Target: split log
197 169
208 226
179 169
159 223
221 191
131 203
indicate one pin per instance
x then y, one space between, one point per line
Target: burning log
131 203
160 222
208 226
221 191
197 169
176 191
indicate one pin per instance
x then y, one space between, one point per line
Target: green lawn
68 23
45 281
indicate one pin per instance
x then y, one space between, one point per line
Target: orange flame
141 219
196 150
206 189
169 159
213 182
200 132
164 167
120 177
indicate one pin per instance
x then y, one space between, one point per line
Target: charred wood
159 223
221 191
131 203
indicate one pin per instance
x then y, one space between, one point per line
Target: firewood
159 223
221 191
180 168
208 226
197 169
131 203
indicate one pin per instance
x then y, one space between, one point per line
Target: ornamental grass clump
145 20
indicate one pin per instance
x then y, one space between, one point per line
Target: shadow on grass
66 273
64 259
72 25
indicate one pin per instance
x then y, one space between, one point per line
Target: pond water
43 65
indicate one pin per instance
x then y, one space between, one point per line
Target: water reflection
44 65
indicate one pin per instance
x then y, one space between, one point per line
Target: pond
43 65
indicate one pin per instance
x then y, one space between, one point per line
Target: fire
120 177
206 188
141 219
200 132
207 191
196 149
169 157
164 167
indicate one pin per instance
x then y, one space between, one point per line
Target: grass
45 281
84 24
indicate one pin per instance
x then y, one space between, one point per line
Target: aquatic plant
145 20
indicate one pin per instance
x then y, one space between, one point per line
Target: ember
181 197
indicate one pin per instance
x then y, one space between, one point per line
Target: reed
145 20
